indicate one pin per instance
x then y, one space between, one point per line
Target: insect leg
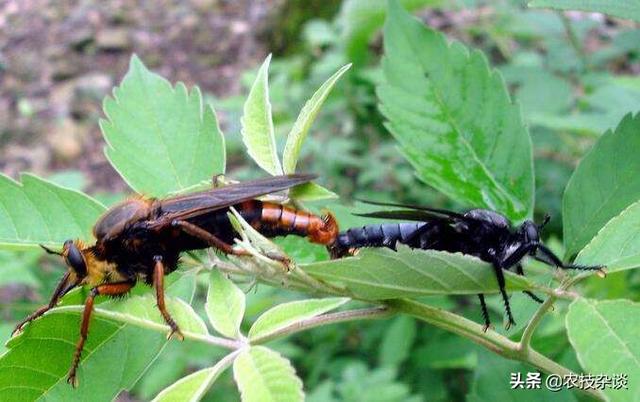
532 295
217 180
62 288
112 289
548 257
485 313
158 284
501 283
207 237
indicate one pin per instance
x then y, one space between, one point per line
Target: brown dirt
58 59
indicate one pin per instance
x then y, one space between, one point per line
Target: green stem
490 339
527 335
332 318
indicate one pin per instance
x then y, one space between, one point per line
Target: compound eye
531 233
74 258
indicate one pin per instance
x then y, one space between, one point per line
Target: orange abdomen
284 220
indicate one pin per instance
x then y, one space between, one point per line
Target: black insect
482 233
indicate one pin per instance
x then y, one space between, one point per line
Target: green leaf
358 383
286 314
119 349
491 382
18 268
454 119
605 337
378 274
603 185
254 239
311 192
301 250
306 117
37 211
362 18
444 351
397 341
263 375
629 9
617 244
225 305
143 311
257 124
194 386
160 138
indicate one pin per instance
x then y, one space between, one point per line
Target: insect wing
421 214
188 206
431 212
407 215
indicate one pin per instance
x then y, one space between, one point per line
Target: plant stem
490 339
527 335
218 368
331 318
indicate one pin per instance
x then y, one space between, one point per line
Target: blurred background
575 75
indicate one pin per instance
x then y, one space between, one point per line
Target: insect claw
217 180
284 260
602 272
17 329
486 327
178 334
72 379
509 324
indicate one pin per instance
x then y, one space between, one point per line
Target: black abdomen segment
380 235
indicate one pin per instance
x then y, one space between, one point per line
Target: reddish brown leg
63 288
207 237
106 289
213 241
158 284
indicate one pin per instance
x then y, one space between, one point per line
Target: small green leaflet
311 192
258 133
160 138
194 386
454 119
286 314
263 375
37 211
142 311
225 305
306 117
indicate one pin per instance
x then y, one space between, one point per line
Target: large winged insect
482 233
141 239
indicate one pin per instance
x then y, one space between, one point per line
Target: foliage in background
569 98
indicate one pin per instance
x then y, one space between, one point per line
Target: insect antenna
49 251
437 211
546 220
